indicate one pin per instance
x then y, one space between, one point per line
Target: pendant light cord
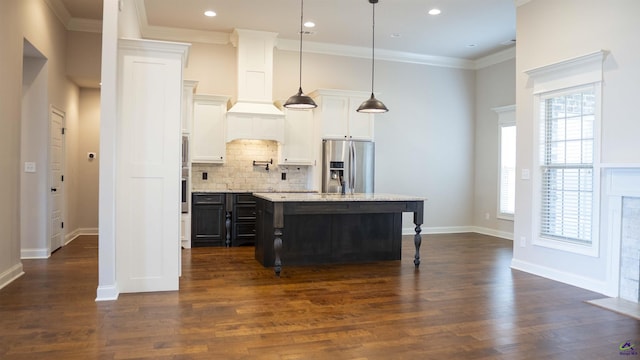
301 21
373 45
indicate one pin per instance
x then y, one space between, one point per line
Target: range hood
254 116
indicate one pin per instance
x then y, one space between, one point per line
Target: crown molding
521 2
86 25
495 58
381 54
184 35
59 10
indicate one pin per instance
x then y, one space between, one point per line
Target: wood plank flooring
463 303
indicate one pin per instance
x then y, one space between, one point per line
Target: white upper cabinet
188 89
299 138
337 116
208 140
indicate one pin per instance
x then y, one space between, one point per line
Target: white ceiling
466 29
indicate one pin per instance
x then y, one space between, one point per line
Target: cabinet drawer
245 230
244 234
244 213
208 199
244 199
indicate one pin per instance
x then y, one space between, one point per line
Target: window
566 165
567 102
507 162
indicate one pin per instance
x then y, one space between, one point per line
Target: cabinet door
335 115
298 145
360 124
208 137
208 220
208 225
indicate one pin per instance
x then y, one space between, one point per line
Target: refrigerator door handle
352 168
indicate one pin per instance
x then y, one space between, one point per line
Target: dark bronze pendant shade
373 105
300 100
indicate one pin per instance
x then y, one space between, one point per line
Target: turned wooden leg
227 225
277 247
417 240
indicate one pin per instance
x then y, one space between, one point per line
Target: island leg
277 247
278 225
227 225
417 240
418 217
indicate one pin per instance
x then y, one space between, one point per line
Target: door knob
54 189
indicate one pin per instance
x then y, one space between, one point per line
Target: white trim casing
580 71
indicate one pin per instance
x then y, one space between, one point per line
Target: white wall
33 20
546 35
495 87
88 170
34 140
10 99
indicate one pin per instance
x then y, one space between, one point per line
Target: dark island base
333 239
331 233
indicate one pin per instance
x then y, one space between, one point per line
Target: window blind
567 166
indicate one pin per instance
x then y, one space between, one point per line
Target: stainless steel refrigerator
347 166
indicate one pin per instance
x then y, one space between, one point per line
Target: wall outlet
283 176
205 175
523 241
29 167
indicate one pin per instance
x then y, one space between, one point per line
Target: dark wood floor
464 303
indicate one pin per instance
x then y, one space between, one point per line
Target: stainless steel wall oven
185 175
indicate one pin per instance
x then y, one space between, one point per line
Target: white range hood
254 116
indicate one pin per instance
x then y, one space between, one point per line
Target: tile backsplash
239 174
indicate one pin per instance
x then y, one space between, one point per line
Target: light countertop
316 197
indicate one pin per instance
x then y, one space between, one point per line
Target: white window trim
572 73
506 117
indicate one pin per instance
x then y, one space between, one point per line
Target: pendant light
300 100
373 105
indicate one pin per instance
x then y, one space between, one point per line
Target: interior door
56 193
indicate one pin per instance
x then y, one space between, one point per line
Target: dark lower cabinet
208 220
244 220
209 214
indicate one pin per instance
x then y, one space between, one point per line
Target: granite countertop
319 197
239 191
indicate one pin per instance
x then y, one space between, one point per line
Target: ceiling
466 29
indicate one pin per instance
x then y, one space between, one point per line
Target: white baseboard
79 232
11 274
107 293
41 253
459 229
563 277
493 232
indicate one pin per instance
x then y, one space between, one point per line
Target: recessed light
309 24
210 13
395 35
434 11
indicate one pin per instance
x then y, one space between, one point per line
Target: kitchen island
312 228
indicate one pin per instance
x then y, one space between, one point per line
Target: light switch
525 174
29 167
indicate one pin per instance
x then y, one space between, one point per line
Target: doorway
38 208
